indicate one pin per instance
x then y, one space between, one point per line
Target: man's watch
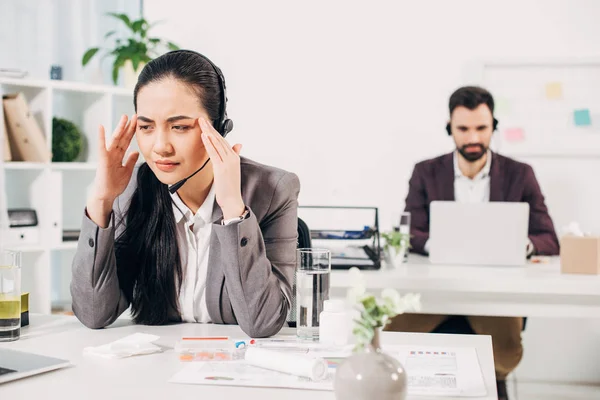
236 219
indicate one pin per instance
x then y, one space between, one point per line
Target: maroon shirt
510 180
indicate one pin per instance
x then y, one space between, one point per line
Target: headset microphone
175 187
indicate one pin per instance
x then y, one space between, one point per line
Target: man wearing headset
474 174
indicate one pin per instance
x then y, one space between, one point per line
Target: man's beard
472 156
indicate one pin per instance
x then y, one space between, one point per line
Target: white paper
132 345
239 373
314 368
453 371
442 371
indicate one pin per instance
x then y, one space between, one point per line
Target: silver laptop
493 233
17 364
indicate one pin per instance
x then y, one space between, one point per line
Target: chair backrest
303 242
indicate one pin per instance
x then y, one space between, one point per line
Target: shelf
68 86
74 166
27 248
60 166
24 165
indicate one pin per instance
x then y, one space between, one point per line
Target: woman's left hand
226 168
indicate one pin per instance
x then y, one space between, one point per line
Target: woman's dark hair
471 97
150 268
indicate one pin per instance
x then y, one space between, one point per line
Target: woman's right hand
112 176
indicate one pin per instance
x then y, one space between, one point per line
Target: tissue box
580 255
24 309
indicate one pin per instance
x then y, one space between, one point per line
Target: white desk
146 377
535 290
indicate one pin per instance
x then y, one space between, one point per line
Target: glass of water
313 269
10 295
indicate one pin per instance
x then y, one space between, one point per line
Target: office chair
303 243
459 324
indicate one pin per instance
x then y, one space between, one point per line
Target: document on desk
440 371
431 371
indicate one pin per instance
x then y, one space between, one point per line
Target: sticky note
514 134
582 117
502 106
554 90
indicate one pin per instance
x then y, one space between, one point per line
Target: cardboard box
580 255
25 135
6 152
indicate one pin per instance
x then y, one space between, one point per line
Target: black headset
223 125
449 129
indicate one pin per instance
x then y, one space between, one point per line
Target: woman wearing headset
219 248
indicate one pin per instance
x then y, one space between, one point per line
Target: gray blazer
251 263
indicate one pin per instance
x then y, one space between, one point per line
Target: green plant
376 312
66 140
137 48
396 240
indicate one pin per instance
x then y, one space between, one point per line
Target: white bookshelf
57 190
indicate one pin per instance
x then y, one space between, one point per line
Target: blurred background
349 95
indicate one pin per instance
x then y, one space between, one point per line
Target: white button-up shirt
476 190
194 245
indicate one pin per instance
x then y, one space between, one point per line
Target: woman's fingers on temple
118 132
129 132
218 140
212 151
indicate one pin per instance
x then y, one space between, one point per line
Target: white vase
396 257
371 375
130 76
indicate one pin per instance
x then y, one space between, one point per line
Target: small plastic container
335 323
209 349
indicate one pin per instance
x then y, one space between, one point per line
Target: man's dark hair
471 97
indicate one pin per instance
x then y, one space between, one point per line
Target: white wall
349 95
36 34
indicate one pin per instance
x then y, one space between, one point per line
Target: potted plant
132 52
370 373
67 140
397 245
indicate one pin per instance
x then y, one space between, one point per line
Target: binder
26 135
7 156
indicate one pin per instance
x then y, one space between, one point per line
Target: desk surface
530 290
146 377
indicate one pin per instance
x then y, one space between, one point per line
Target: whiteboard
546 107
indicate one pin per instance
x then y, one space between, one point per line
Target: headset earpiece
495 125
448 129
226 127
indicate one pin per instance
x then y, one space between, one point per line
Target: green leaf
172 46
88 55
115 74
109 34
136 26
154 40
119 62
135 60
122 17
